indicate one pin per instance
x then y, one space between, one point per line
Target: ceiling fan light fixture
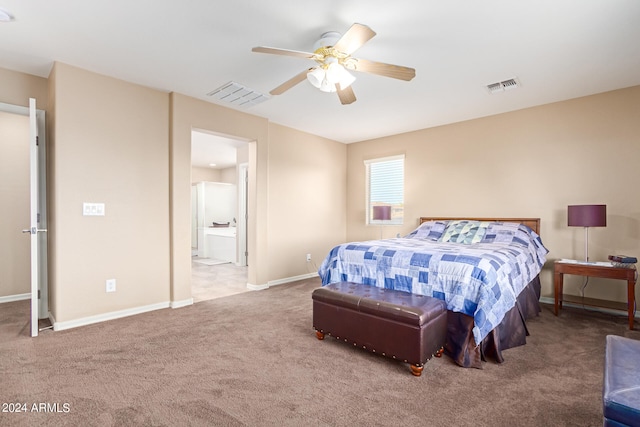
327 86
318 78
337 74
332 53
327 77
330 38
333 72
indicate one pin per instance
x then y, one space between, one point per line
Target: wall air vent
238 95
503 85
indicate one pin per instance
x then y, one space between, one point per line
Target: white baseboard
252 287
183 303
52 320
60 326
18 297
291 279
551 302
280 281
547 300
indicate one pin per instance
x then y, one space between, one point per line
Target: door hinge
38 218
38 293
37 140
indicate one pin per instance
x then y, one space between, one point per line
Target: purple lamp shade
382 213
587 216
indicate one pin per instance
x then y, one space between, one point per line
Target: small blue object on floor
621 388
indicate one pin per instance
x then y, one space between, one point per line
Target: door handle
34 230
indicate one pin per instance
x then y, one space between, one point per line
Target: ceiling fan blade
356 36
382 69
346 95
284 52
290 83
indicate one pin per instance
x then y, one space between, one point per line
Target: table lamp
381 213
587 216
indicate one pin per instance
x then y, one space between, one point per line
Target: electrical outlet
111 285
308 257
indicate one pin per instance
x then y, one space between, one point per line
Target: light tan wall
275 154
16 88
204 174
15 263
532 163
307 200
229 175
242 154
52 259
93 145
111 145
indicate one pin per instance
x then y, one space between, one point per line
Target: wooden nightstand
594 270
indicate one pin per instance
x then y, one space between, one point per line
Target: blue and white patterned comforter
481 280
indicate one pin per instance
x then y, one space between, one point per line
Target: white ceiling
558 49
208 149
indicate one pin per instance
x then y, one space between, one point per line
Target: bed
485 269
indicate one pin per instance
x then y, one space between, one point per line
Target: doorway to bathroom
219 180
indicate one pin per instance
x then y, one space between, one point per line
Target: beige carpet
253 360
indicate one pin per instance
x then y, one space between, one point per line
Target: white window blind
385 186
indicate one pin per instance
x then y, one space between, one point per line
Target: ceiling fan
333 55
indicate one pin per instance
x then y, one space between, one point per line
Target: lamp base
586 244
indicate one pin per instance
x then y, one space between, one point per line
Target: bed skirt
511 332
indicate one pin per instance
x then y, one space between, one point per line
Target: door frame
41 305
243 217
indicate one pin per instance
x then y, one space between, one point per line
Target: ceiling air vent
238 95
503 85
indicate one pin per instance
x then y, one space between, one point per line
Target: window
385 187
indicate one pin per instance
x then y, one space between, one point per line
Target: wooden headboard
532 223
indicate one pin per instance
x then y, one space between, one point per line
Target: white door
37 234
36 197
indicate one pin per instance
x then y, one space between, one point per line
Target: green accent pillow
465 232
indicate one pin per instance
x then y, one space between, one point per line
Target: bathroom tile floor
215 281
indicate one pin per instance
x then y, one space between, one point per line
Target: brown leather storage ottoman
396 324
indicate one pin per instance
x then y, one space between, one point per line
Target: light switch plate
93 209
111 285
